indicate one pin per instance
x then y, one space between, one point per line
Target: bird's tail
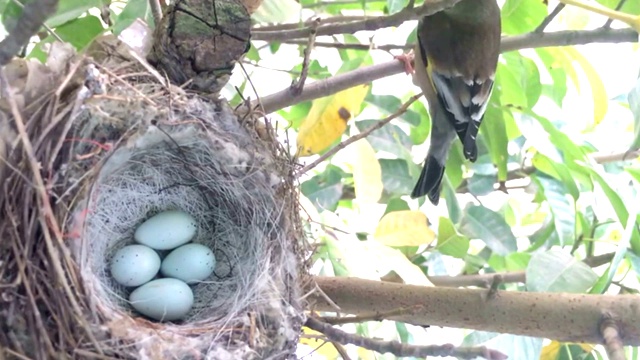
429 181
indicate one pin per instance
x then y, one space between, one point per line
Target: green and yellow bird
456 56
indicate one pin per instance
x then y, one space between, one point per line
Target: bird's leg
407 60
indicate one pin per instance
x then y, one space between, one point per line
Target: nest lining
171 150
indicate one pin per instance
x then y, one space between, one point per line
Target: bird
456 57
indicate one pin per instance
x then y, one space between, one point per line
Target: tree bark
557 316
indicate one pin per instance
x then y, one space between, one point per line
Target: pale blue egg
134 265
166 230
190 263
163 299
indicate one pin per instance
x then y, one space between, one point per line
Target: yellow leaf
598 92
587 347
323 348
370 260
390 259
551 351
365 354
404 228
367 173
327 119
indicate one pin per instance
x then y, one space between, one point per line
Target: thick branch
557 316
368 74
511 43
331 85
33 16
428 8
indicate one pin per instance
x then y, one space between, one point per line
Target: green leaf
495 135
253 54
79 33
522 16
542 238
570 151
395 176
324 190
390 104
449 241
390 139
420 132
634 172
562 209
135 9
396 5
507 87
69 10
453 206
558 171
453 169
517 261
557 271
274 47
11 12
621 251
635 262
480 185
335 256
277 11
296 114
598 91
527 74
634 106
396 204
558 89
573 352
484 224
353 59
515 347
618 206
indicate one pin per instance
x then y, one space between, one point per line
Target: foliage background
560 121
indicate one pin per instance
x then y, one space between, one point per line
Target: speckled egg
166 230
163 299
190 263
134 265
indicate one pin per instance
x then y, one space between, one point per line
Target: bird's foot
407 60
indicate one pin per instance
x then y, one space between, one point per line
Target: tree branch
568 38
34 14
600 158
484 280
402 350
512 43
556 316
330 86
428 8
334 84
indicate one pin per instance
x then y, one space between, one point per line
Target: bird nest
99 149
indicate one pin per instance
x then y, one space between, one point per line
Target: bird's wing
465 101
